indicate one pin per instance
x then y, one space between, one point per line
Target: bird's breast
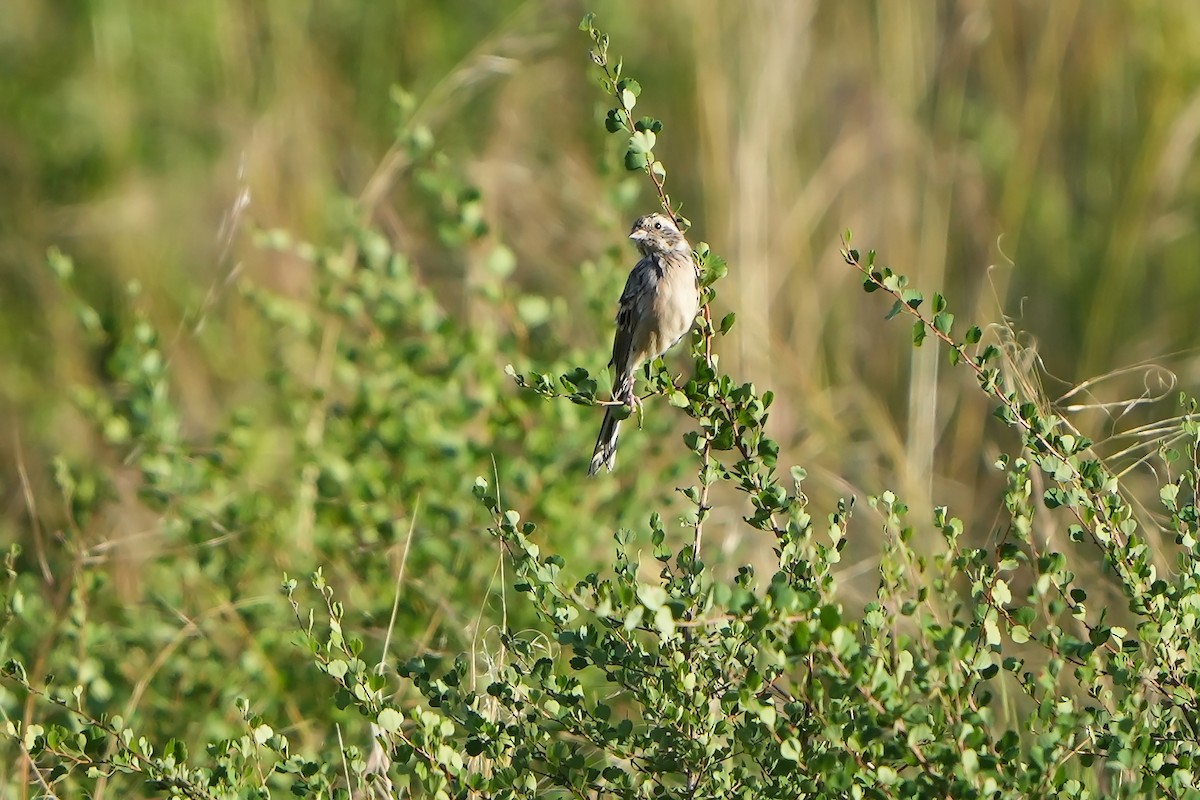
675 304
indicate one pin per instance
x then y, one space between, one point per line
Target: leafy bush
982 668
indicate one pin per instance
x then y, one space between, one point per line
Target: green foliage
355 451
982 667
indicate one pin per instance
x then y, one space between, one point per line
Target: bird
657 308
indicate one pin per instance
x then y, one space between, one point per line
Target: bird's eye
658 226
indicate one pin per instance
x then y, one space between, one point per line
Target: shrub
982 668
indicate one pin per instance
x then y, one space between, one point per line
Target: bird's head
656 233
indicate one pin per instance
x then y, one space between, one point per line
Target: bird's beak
637 234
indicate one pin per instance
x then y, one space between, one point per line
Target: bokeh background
1034 161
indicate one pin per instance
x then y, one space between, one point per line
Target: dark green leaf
635 161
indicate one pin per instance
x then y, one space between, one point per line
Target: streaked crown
656 233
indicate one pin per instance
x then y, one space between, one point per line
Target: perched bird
657 308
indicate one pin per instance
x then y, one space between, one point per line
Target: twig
658 178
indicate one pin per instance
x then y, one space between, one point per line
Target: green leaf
918 333
831 618
991 629
715 268
620 412
635 161
634 618
912 298
664 621
1001 593
727 322
1056 468
262 733
943 321
649 124
390 720
904 665
642 141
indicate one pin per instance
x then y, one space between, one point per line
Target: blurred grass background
1034 161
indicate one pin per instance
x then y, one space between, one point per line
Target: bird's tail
605 454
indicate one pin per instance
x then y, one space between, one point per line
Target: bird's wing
636 303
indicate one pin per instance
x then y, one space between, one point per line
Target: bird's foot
635 403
